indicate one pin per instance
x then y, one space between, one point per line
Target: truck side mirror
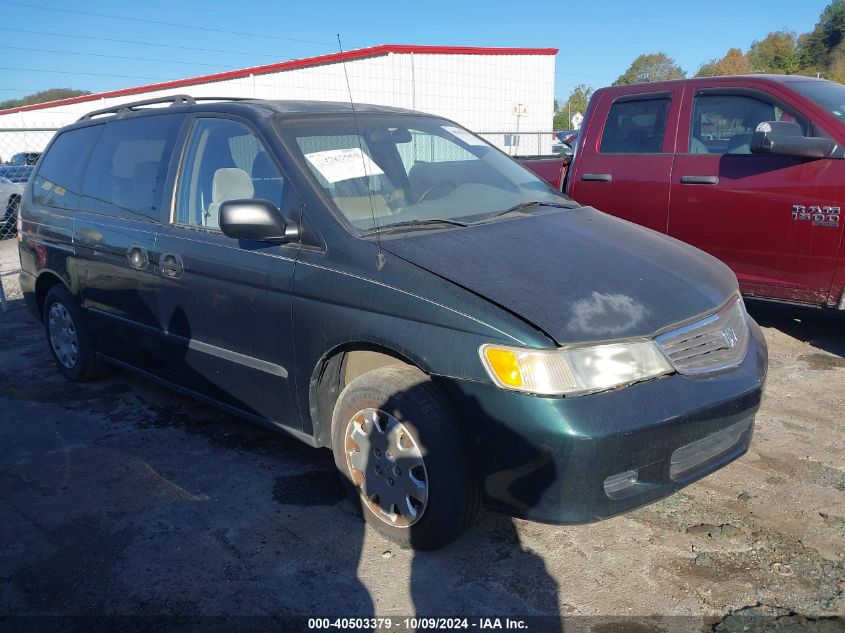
787 138
257 220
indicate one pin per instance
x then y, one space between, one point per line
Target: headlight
575 370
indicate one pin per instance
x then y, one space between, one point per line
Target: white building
495 91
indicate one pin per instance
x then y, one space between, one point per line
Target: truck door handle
597 177
137 257
700 180
171 265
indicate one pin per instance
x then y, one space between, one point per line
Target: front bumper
551 459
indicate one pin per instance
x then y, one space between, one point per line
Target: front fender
402 309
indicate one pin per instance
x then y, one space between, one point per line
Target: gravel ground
121 498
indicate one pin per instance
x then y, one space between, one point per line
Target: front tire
396 443
67 336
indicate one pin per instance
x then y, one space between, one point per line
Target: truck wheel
396 444
67 337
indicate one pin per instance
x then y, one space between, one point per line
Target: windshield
827 94
394 169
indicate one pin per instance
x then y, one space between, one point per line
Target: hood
579 275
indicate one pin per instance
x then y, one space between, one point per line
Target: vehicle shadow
187 511
134 506
823 329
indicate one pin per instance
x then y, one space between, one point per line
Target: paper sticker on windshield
466 137
342 164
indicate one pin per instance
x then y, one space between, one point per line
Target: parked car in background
561 149
24 158
748 168
10 201
462 331
16 173
567 136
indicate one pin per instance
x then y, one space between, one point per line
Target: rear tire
9 225
396 444
67 335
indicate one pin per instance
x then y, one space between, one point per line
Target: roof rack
173 100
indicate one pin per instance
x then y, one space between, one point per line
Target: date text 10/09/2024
481 624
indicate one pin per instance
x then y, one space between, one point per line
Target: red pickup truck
552 169
747 168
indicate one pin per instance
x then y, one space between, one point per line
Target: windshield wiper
412 224
519 208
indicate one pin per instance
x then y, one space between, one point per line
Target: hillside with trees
53 94
820 52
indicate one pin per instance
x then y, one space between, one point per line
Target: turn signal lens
574 370
504 363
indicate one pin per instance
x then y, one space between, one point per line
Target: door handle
700 180
171 265
597 177
137 257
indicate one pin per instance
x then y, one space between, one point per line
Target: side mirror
786 138
257 220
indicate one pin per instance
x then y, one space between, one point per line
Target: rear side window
635 127
126 173
58 181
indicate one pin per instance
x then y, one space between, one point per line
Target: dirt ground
120 498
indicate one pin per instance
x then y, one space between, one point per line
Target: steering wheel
438 185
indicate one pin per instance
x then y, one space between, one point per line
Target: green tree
53 94
576 102
836 68
776 53
650 67
733 63
818 49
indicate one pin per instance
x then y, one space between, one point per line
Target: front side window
635 127
224 161
393 169
127 170
724 124
58 181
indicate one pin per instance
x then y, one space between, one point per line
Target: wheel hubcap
387 467
63 338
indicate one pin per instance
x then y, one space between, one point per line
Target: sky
47 44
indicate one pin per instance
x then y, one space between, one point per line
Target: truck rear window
635 127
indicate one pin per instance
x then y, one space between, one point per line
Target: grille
717 341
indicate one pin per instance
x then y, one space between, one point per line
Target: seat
740 144
229 183
697 147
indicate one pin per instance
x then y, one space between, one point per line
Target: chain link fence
524 143
19 151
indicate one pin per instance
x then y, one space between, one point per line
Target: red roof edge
373 51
